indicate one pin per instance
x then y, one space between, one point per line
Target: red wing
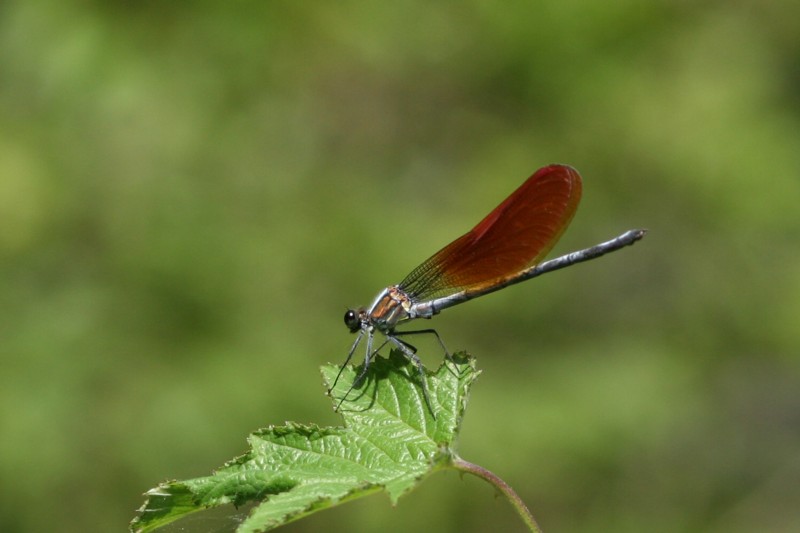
517 234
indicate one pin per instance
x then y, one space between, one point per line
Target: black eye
351 320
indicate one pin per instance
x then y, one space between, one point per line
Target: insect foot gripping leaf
390 441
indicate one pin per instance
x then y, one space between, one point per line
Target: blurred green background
192 195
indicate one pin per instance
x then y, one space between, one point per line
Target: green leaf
390 441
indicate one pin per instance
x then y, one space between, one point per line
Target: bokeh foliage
191 195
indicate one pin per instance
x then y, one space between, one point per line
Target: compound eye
351 320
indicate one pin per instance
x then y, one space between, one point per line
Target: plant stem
464 466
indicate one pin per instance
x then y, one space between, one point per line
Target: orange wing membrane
517 234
